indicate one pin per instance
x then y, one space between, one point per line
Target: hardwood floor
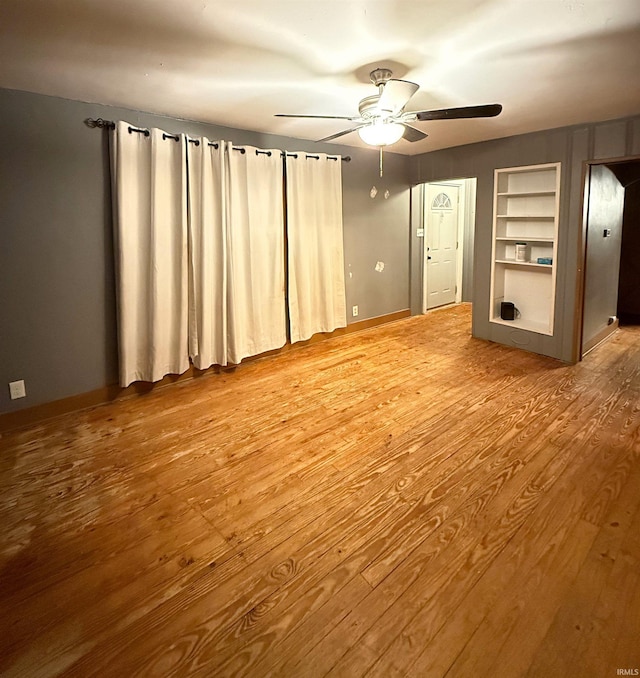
406 501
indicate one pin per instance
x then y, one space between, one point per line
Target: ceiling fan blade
395 95
413 133
322 117
488 111
341 134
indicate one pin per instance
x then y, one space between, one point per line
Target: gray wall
469 241
571 146
602 267
57 306
376 230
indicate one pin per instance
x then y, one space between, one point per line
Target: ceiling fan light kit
381 133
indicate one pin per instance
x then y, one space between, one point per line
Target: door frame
578 318
461 184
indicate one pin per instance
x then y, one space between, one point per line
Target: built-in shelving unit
525 213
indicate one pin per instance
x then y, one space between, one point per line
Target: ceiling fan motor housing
368 107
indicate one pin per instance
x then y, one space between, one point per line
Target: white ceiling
237 62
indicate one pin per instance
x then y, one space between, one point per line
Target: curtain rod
109 124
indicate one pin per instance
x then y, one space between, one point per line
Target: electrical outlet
17 389
354 311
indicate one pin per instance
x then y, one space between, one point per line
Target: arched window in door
441 202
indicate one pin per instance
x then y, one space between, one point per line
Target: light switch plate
17 389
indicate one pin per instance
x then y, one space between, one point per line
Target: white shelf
525 194
523 238
525 209
513 262
527 217
523 324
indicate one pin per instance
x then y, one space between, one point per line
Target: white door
441 235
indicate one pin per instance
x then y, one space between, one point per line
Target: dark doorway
628 174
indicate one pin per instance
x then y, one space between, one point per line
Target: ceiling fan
383 120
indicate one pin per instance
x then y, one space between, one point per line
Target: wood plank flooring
405 501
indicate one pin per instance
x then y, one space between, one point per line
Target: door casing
460 185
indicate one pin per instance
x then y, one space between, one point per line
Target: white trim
506 264
466 214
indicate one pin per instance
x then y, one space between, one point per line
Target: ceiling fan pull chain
381 147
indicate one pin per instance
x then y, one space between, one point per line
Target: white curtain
207 253
255 252
150 214
200 251
315 245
